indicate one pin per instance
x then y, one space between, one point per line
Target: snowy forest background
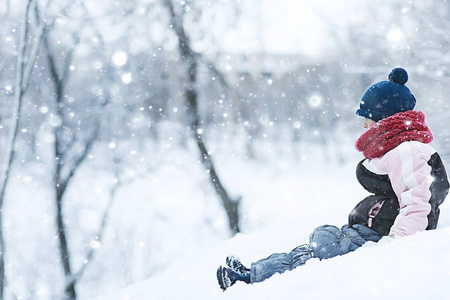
132 130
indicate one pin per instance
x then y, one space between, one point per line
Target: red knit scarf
388 133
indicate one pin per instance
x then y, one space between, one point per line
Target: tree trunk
231 206
23 71
69 292
190 58
60 183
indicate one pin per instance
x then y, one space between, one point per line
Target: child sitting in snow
404 174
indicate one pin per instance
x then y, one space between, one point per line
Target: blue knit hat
387 98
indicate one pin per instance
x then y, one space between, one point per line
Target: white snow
283 201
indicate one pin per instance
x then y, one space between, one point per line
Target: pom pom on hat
387 98
398 75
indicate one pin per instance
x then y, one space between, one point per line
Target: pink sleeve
410 177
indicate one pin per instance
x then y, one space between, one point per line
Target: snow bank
281 208
416 267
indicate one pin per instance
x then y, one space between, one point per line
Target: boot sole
220 278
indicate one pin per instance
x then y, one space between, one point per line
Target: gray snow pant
324 242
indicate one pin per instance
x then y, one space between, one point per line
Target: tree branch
101 230
13 136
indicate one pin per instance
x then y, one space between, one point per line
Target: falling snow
117 115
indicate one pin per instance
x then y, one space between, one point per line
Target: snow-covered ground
416 267
283 201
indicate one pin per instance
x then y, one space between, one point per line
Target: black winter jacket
382 191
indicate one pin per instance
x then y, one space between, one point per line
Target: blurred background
131 130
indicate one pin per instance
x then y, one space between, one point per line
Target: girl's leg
328 241
325 242
279 263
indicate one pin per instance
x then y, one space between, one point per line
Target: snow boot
235 264
227 277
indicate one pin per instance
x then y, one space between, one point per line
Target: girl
404 174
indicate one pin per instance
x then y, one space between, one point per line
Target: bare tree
74 140
71 147
66 163
25 61
191 61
